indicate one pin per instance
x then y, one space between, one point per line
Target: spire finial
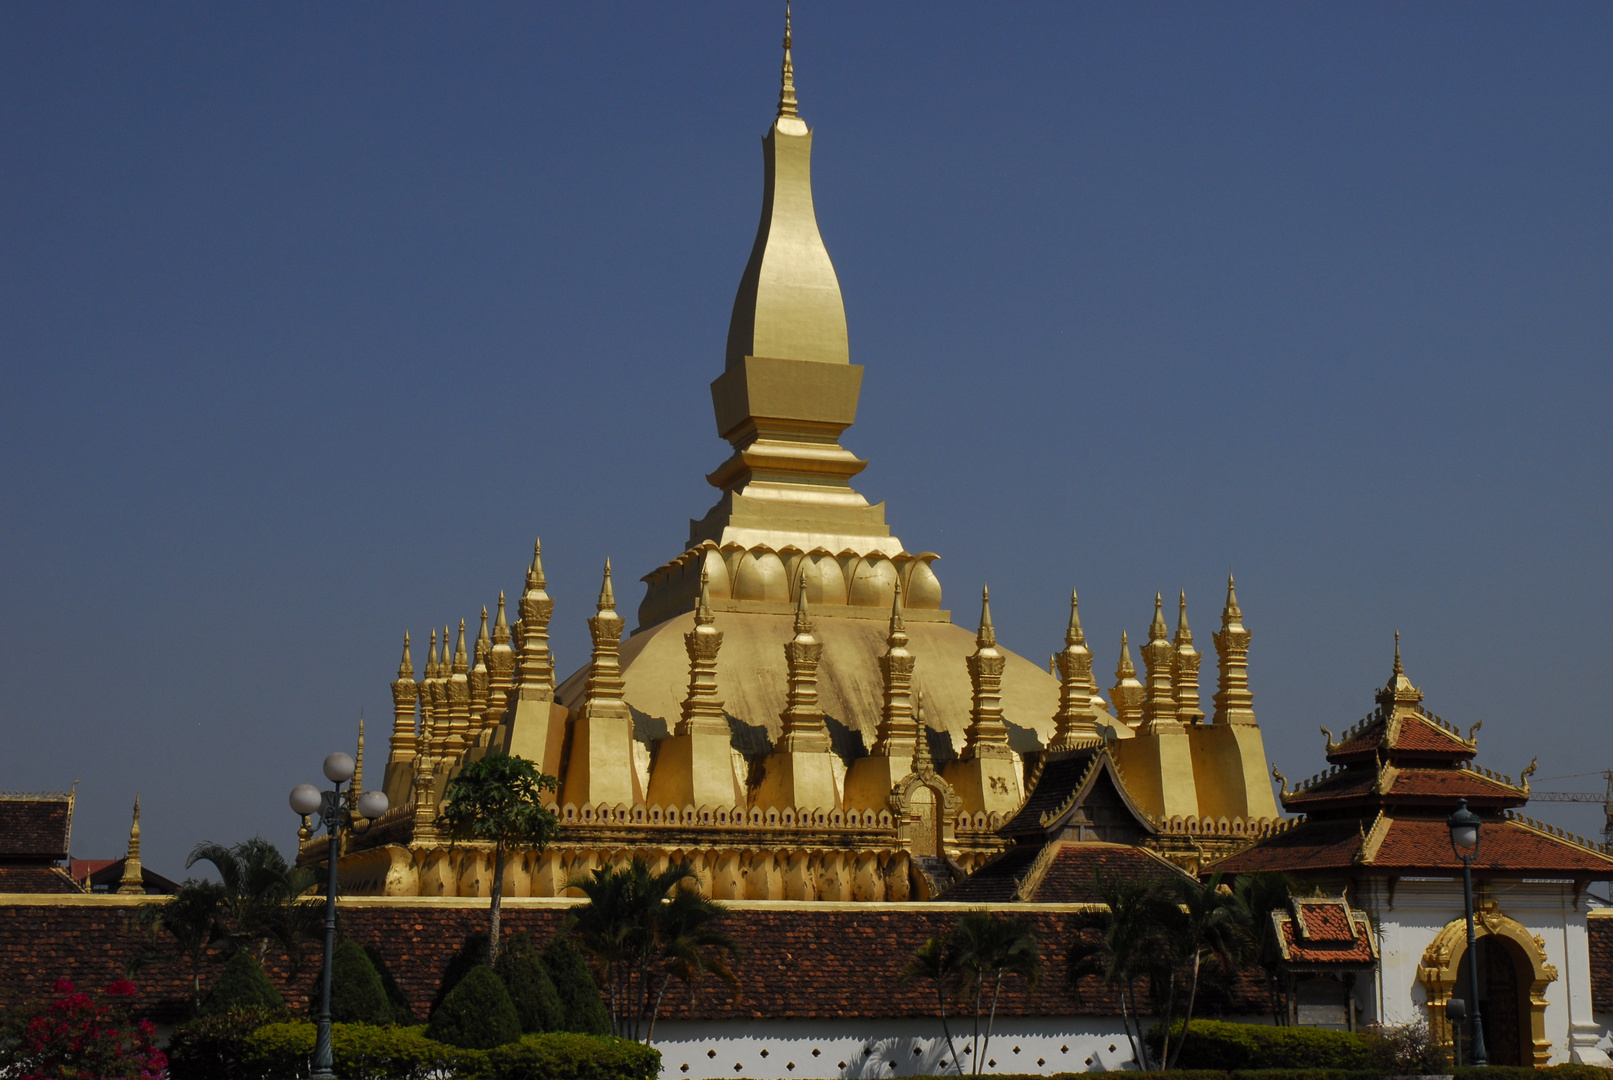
499 621
987 634
460 661
133 880
702 611
896 610
607 592
406 665
431 655
1183 634
534 574
786 94
923 764
803 617
1073 634
1156 629
1398 669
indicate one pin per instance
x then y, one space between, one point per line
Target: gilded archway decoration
1443 957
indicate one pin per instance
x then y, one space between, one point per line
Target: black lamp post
1464 826
334 818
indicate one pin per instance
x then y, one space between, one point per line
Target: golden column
799 772
534 727
984 776
1234 704
1075 724
1185 669
600 768
695 766
869 780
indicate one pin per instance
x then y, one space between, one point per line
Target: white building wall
1410 916
838 1048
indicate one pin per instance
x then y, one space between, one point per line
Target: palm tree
1134 936
1215 927
263 898
936 962
499 799
193 919
987 949
1259 895
640 938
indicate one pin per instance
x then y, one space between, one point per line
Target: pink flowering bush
83 1036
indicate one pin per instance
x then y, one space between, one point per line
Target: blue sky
311 317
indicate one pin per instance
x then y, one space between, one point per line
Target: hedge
477 1014
213 1046
360 1051
241 985
569 1056
1214 1044
357 995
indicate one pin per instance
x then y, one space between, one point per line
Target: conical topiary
477 1014
531 990
241 985
579 995
402 1009
356 993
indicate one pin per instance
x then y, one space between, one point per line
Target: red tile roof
1325 932
36 879
35 827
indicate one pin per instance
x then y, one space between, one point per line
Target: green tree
938 963
1215 928
264 898
357 995
1259 895
580 1000
185 927
640 938
536 1000
477 1014
987 949
499 800
241 985
1133 939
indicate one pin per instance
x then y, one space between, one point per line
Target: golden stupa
764 719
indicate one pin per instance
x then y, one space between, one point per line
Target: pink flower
64 985
122 988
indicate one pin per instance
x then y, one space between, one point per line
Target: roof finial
133 880
1398 669
607 592
406 665
1156 629
786 94
986 636
534 574
803 617
897 625
702 611
1073 634
923 763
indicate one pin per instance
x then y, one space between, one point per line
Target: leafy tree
1259 895
263 898
499 800
582 1006
1215 927
537 1002
241 985
477 1014
640 939
185 927
356 993
937 963
1133 940
987 949
402 1009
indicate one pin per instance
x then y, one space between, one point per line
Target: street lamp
334 817
1464 826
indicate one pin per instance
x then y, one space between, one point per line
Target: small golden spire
1234 703
483 641
534 674
804 729
786 94
803 616
1156 629
1073 634
607 593
923 764
406 665
895 733
897 626
357 785
986 735
501 626
1185 669
986 636
1075 722
534 574
461 662
702 708
444 664
431 655
133 881
702 611
1125 669
1127 693
1398 669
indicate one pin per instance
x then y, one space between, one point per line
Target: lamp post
334 818
1464 826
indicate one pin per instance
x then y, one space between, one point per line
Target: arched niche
1441 967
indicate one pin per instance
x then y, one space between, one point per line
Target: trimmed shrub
477 1014
569 1056
360 1052
402 1010
356 993
531 990
584 1008
213 1046
1215 1044
241 985
472 953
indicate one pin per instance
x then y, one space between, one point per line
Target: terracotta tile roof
1307 845
1418 735
1353 783
1058 779
80 869
1408 784
1325 932
35 826
36 879
997 881
1451 784
1073 873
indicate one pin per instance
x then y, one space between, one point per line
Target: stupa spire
923 763
404 692
133 880
786 94
1159 706
535 672
702 708
500 666
1399 691
1075 722
480 678
986 735
1185 669
1234 704
804 729
1127 693
896 733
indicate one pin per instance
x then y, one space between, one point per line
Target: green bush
359 1051
241 985
569 1056
213 1046
477 1014
1215 1044
585 1010
472 954
356 993
402 1009
536 1001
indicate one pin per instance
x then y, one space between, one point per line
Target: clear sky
312 316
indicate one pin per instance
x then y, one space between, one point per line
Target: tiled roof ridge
1559 835
1025 888
1372 839
1076 789
37 796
